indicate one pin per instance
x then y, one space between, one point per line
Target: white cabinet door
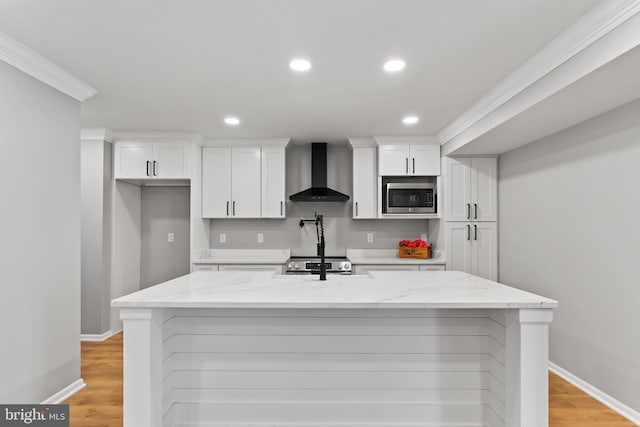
484 188
364 183
458 244
273 182
458 189
425 160
393 159
133 159
216 182
171 160
484 250
245 182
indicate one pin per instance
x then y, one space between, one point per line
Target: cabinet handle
148 165
475 232
468 210
227 208
406 165
234 208
468 232
356 208
413 160
281 208
155 168
475 207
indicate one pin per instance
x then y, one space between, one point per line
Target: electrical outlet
171 238
223 237
369 237
423 237
260 238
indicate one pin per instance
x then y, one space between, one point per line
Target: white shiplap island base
393 349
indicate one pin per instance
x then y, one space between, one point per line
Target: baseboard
622 409
99 337
65 393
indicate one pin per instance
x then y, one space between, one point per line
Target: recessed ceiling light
232 121
300 65
394 65
410 120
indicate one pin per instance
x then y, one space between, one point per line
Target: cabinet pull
413 160
468 210
281 208
356 208
227 208
234 208
468 232
406 165
475 232
475 207
155 168
148 165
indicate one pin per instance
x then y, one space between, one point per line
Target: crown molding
406 139
26 60
158 136
246 142
362 142
595 24
96 134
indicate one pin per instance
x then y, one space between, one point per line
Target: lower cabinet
472 247
365 268
276 268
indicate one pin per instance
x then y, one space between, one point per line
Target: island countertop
381 289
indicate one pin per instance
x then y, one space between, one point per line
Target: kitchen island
386 349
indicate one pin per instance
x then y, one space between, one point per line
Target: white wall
569 229
164 210
40 244
96 228
126 243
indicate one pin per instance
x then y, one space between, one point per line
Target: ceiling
166 65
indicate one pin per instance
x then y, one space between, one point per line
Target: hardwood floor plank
99 404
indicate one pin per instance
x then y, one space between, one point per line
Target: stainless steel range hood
319 192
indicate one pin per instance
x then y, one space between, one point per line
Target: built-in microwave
409 198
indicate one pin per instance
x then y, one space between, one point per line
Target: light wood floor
99 404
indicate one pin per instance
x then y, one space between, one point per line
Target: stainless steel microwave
410 198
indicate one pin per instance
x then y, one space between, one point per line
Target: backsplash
341 231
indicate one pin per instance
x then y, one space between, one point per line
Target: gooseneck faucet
320 235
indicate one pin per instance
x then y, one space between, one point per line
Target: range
311 265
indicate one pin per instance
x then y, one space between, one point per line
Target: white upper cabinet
273 182
152 160
231 182
471 189
216 182
244 181
409 159
364 183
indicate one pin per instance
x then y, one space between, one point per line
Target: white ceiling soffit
606 32
24 59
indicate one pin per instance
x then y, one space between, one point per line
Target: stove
311 265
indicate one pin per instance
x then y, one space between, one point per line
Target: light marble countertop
390 256
382 289
243 256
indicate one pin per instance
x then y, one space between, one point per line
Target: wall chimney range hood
319 192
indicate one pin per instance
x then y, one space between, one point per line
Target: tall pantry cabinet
471 206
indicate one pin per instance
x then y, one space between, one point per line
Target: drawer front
205 267
433 267
365 268
276 268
